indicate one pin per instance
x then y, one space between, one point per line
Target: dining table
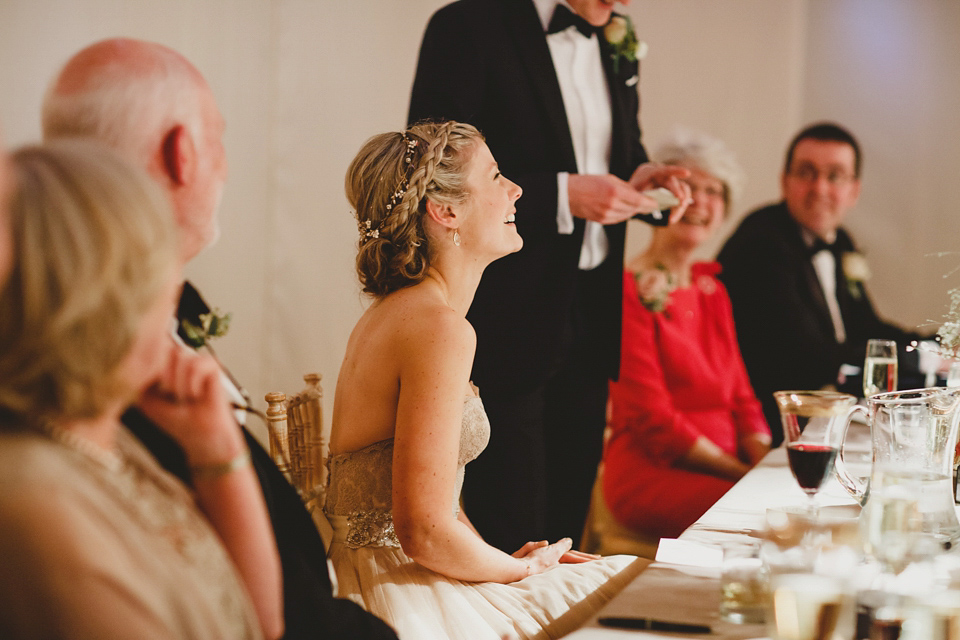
683 584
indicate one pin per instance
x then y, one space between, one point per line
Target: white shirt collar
809 237
545 10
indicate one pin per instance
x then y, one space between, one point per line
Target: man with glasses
796 280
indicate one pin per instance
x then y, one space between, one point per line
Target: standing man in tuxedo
794 276
151 104
556 96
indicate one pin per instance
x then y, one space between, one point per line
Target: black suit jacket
783 323
310 610
487 62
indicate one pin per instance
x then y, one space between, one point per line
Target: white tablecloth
691 594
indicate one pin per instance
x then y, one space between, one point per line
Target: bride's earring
456 237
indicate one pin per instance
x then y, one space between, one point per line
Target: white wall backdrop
303 82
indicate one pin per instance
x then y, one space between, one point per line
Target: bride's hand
540 556
576 557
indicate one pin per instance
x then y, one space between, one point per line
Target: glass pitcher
914 437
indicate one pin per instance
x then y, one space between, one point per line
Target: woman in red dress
685 423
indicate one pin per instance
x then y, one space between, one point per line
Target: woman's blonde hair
94 245
388 184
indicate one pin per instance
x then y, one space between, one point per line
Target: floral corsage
856 271
212 325
654 287
623 41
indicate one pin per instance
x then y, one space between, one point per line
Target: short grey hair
126 105
693 149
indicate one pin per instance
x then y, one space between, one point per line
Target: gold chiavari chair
297 445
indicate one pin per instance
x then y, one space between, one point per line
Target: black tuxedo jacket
783 324
310 610
487 62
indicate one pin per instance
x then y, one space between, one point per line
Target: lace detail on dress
371 529
163 507
359 485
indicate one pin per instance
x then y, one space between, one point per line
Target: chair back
297 446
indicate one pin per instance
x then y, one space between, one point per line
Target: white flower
616 30
641 51
654 287
855 267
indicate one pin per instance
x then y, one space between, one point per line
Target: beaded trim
372 528
367 230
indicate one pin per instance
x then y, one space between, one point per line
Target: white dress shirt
825 264
586 100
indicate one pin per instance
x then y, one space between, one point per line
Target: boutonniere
212 325
856 271
654 287
623 41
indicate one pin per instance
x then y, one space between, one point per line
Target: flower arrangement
948 335
654 287
212 325
623 41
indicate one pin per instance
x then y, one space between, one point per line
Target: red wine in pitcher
811 464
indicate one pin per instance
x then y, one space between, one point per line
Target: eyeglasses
834 177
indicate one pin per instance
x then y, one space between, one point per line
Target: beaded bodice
360 482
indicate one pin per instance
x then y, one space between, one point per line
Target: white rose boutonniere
654 287
621 37
856 271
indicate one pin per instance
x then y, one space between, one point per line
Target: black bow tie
563 19
820 245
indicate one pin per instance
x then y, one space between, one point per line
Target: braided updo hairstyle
389 196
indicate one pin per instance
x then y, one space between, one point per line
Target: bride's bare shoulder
420 318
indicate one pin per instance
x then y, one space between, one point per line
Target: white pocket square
632 81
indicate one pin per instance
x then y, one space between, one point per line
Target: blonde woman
96 540
433 212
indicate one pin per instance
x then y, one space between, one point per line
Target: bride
433 212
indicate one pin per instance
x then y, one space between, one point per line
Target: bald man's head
152 105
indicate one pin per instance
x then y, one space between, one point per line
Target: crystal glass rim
912 396
816 394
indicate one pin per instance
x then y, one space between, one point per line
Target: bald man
150 103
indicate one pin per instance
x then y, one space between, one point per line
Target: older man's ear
178 155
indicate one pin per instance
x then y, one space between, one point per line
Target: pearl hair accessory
367 230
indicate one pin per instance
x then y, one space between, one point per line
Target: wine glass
880 367
812 429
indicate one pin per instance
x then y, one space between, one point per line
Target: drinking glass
953 375
804 606
812 429
880 367
743 584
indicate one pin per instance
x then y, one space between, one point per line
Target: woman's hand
540 555
188 402
754 447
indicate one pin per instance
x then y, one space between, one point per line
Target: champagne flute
812 422
880 367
